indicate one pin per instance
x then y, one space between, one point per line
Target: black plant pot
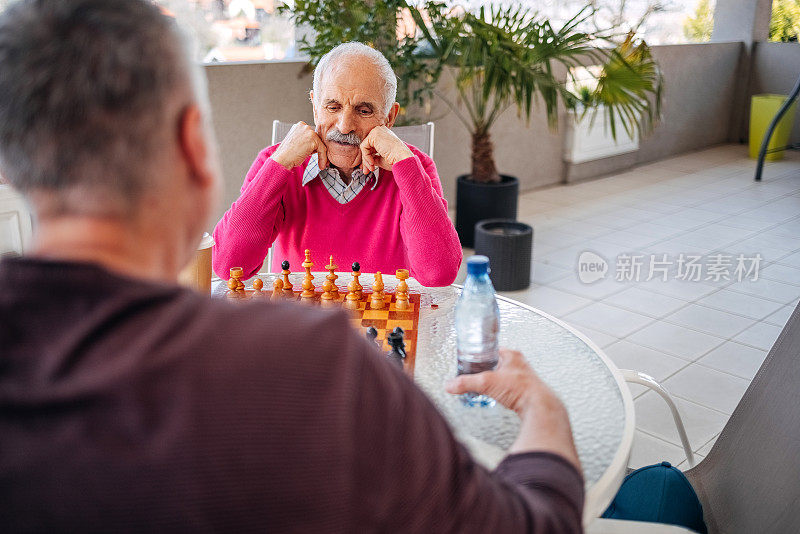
509 245
477 201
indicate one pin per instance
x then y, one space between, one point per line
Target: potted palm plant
507 56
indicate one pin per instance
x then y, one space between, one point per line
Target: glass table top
570 366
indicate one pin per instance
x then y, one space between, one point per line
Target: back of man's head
89 93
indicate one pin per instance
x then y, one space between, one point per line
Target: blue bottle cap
478 265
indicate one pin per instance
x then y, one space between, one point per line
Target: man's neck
345 174
111 243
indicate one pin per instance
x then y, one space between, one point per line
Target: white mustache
347 139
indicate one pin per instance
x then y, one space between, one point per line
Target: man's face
351 102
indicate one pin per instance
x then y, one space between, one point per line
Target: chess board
383 320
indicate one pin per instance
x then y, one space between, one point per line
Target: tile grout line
730 184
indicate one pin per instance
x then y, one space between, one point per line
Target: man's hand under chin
299 143
382 148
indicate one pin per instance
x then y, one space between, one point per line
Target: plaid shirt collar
341 192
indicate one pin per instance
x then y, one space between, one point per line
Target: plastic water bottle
477 326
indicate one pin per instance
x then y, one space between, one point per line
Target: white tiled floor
703 340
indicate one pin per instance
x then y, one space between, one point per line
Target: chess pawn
258 285
287 285
236 274
235 283
354 289
377 302
327 297
354 286
351 301
397 352
277 289
372 335
234 293
401 292
308 287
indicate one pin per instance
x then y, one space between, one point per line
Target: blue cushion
659 494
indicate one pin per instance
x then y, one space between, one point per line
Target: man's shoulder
265 319
272 335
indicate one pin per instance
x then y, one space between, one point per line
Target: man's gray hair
360 50
85 97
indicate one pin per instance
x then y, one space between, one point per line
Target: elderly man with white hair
348 187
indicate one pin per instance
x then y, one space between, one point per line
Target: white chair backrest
421 135
749 482
279 131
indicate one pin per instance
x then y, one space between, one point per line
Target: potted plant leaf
506 56
593 133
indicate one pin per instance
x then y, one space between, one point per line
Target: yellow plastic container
762 109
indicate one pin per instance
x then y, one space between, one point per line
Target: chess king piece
377 302
287 285
401 292
354 289
397 352
308 285
332 276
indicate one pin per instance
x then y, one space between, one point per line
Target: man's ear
313 107
194 146
393 112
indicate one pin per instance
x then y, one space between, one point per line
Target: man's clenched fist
299 143
382 148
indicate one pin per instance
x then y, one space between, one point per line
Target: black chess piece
398 347
372 334
356 267
285 265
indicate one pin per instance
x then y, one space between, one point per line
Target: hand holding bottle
544 419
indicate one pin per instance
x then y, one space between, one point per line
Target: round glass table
599 402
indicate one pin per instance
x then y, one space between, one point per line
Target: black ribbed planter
477 201
509 245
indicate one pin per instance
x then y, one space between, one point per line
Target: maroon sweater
129 406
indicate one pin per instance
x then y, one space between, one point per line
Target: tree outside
698 28
784 25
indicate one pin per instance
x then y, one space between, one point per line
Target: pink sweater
402 223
